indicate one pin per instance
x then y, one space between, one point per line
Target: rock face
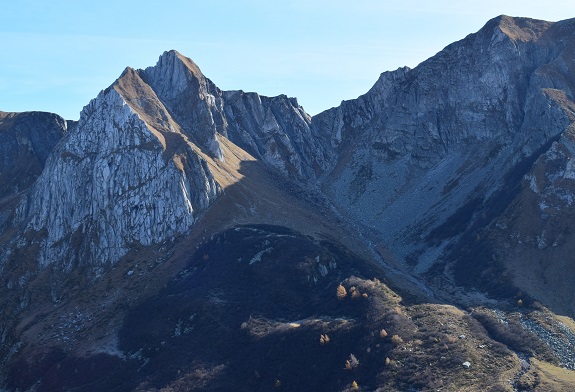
192 100
124 175
277 131
430 155
273 129
534 236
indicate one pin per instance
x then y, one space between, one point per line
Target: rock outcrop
136 167
533 238
26 141
277 131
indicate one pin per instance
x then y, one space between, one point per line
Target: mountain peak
519 28
172 59
192 100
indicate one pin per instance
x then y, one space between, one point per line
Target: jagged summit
192 100
172 58
151 150
519 28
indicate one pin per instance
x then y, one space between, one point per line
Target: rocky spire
193 101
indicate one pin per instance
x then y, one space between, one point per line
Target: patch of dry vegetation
424 346
552 378
445 338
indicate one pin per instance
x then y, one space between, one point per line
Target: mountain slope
145 149
248 313
414 135
25 144
428 155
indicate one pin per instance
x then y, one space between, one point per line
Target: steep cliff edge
26 140
126 174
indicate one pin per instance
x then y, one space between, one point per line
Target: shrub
396 339
351 363
341 292
383 333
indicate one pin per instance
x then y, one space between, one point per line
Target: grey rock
109 184
27 140
426 142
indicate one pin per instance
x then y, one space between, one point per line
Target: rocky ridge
431 155
424 142
109 182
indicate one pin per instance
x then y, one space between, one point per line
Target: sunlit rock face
135 168
110 184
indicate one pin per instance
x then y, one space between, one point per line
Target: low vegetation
343 331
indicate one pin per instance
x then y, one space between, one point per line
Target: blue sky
57 55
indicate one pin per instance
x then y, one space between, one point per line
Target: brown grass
553 378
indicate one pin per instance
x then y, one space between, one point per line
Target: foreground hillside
266 308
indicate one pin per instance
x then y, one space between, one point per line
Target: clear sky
57 55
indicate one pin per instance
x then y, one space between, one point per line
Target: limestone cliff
138 166
124 175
